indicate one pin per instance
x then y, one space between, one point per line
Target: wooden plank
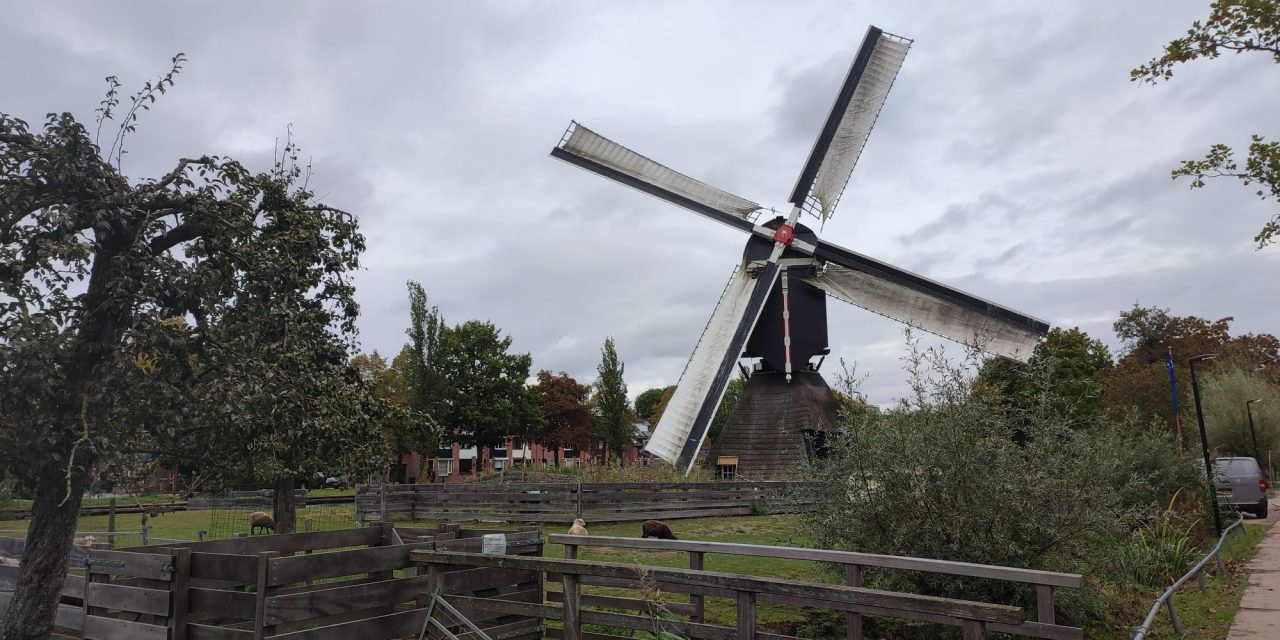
1028 576
152 566
833 593
181 589
747 615
72 586
210 632
853 621
393 625
468 580
67 616
1044 604
100 628
289 542
224 566
260 593
571 612
135 599
634 604
341 563
508 607
221 602
684 629
328 602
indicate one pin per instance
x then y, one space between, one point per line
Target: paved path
1259 615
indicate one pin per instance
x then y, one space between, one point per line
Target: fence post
746 615
382 502
572 606
1222 569
144 534
1173 615
111 523
180 587
853 621
1044 604
260 630
973 629
578 508
1200 579
695 599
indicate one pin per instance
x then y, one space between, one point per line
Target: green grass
1205 616
186 525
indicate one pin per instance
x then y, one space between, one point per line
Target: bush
956 475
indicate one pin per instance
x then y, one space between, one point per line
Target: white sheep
579 528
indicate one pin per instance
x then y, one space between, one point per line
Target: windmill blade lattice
596 153
857 106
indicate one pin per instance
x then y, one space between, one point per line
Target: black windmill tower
774 308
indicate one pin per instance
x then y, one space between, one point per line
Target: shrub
957 475
1224 393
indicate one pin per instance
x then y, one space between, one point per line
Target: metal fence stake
1173 616
1200 579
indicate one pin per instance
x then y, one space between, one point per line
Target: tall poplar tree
609 407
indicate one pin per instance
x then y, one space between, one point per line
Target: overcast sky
1014 158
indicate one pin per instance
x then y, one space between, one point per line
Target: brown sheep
579 528
657 529
260 520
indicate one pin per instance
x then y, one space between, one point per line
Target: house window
444 467
727 467
499 464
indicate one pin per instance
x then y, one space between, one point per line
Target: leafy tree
405 428
281 398
660 407
1070 358
1224 393
1239 26
647 401
99 274
566 411
424 360
612 412
1140 381
485 397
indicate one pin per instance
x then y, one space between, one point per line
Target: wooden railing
563 501
1044 582
747 591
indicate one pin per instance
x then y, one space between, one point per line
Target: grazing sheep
579 528
260 520
6 561
86 541
657 529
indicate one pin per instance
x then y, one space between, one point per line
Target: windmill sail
927 304
683 426
596 153
845 133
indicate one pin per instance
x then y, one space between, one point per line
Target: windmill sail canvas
773 309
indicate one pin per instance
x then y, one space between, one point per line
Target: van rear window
1236 466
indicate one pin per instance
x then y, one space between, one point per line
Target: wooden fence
331 585
1045 583
561 502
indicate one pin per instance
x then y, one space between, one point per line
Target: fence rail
561 502
1045 582
1197 572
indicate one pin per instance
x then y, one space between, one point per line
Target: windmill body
773 310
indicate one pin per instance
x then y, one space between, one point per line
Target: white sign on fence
495 544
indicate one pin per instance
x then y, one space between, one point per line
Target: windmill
774 306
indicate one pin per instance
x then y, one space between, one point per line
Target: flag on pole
1173 391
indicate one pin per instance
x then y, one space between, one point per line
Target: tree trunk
44 563
284 508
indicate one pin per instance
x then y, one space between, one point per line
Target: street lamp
1204 440
1248 407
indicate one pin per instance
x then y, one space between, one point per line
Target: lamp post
1204 440
1248 408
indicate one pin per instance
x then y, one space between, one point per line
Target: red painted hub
785 234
